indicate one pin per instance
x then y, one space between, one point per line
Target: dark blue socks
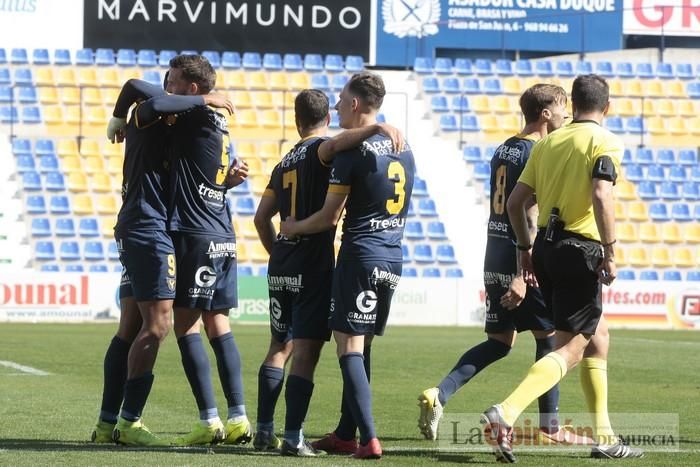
115 372
195 361
136 392
472 362
228 362
347 428
357 395
549 401
270 380
297 396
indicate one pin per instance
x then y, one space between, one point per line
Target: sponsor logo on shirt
288 283
385 277
210 194
379 148
221 250
386 224
509 153
498 278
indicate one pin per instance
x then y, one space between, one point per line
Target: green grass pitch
48 419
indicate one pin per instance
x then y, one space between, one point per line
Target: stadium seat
245 206
251 61
31 115
634 125
49 268
471 86
409 272
671 233
672 275
460 104
26 95
21 146
64 227
626 275
614 124
5 76
656 173
584 67
666 157
688 108
463 66
448 123
664 70
62 57
492 86
426 208
564 68
638 257
605 69
334 63
25 163
69 250
669 191
693 90
19 56
634 173
648 275
88 227
445 254
438 104
483 67
696 213
126 57
54 181
82 204
6 96
106 204
436 230
76 268
213 56
644 156
420 187
503 67
35 204
431 273
691 191
406 254
524 68
450 85
231 60
469 123
293 62
98 268
59 204
112 251
627 233
693 276
661 257
626 190
45 251
354 63
338 82
164 57
688 157
681 212
48 163
684 71
683 258
147 58
423 254
659 212
153 77
511 85
482 171
9 114
31 181
624 70
644 70
442 66
104 57
649 233
93 250
471 154
272 62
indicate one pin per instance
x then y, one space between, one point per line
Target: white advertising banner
50 24
657 17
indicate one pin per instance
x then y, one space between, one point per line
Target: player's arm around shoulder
349 139
324 219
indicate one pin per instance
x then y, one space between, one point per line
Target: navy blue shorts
361 299
299 305
207 274
148 258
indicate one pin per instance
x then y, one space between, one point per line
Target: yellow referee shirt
560 171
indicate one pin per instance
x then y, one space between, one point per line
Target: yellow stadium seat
638 257
671 233
126 74
259 254
247 118
289 97
71 164
106 204
77 182
626 190
277 100
112 149
263 100
48 95
290 122
633 88
614 85
93 164
501 104
638 211
246 228
688 108
90 147
44 77
66 77
489 123
241 252
650 108
625 107
235 79
255 166
101 182
299 81
511 123
655 125
82 205
256 80
620 211
286 147
620 256
107 226
481 104
271 119
627 233
246 150
278 81
71 114
87 77
92 96
270 150
242 100
693 126
114 165
676 126
67 147
674 88
661 257
96 116
649 233
666 108
654 88
109 96
691 233
70 95
683 258
53 115
512 85
109 77
117 180
258 184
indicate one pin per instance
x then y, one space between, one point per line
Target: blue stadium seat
544 68
691 191
64 227
3 56
482 171
5 76
672 275
98 268
669 191
262 271
431 85
677 173
450 85
188 52
648 275
48 163
431 273
626 275
469 123
45 250
693 276
443 66
426 208
126 57
523 68
24 163
483 67
338 82
147 58
26 95
293 62
471 154
19 56
36 204
23 77
688 157
49 268
605 69
455 273
213 56
59 204
88 227
695 173
436 230
69 250
471 86
272 62
664 70
634 125
31 114
406 254
644 156
44 146
624 70
414 230
684 71
627 157
464 66
104 57
31 181
93 251
164 57
409 272
438 104
656 173
693 89
153 77
504 67
666 156
634 173
584 67
245 206
492 86
564 68
54 181
335 121
644 70
420 187
445 254
321 82
448 123
251 61
61 57
423 65
658 212
313 62
681 212
21 146
245 271
333 99
696 212
334 63
460 104
354 63
423 253
77 268
411 210
6 96
112 251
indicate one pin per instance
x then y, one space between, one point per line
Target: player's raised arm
134 90
349 139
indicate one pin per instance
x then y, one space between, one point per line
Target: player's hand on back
515 294
219 101
237 173
115 129
397 140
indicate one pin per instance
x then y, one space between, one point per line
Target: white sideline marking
23 368
656 341
487 449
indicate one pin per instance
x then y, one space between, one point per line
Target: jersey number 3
397 174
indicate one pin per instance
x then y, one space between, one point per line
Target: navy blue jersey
145 173
299 183
379 183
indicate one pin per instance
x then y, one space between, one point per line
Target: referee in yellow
572 171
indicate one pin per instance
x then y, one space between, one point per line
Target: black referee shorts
566 272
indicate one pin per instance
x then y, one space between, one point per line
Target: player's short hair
590 93
539 97
369 87
310 108
196 69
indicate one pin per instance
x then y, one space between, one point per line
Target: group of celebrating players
178 248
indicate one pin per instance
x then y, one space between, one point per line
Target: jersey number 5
397 174
499 193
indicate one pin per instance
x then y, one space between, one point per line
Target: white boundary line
655 341
25 369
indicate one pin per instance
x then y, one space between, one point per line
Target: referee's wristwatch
524 247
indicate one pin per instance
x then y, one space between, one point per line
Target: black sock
197 367
472 362
297 396
270 381
115 371
136 391
357 394
549 401
228 362
347 428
